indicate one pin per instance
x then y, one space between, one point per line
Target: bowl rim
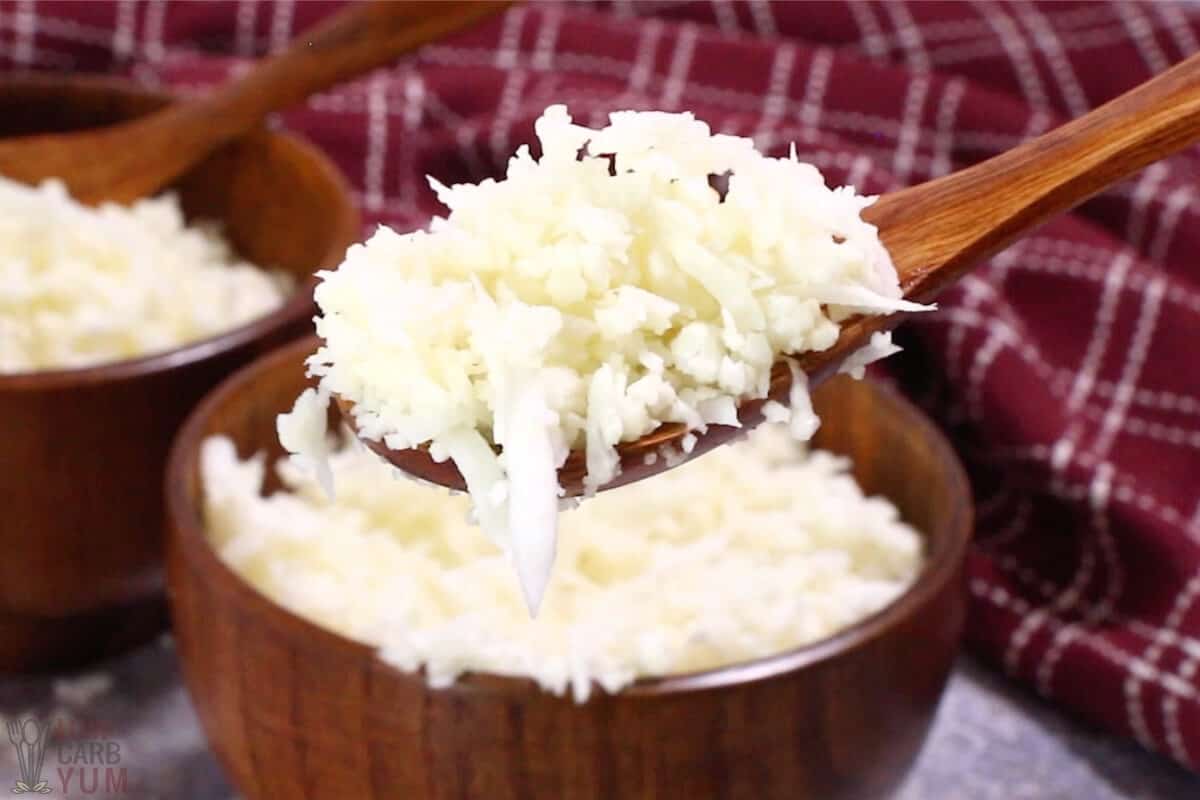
186 534
347 226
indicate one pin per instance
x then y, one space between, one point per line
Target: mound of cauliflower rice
586 299
747 552
81 286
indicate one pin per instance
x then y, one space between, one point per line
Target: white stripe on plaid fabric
944 136
1098 345
1126 492
910 36
1099 492
1171 640
985 356
1001 598
281 24
1179 199
763 18
774 102
1186 671
508 57
1052 48
725 16
681 63
377 141
414 113
1136 357
1017 51
974 291
499 140
910 128
1177 26
245 40
1145 189
1132 426
871 38
814 90
123 32
153 48
1141 31
1170 707
25 21
508 50
547 38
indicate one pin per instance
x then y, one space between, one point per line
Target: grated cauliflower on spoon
591 296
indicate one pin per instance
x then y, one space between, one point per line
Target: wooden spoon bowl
935 233
83 450
295 711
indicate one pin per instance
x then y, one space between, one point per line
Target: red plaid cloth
1063 369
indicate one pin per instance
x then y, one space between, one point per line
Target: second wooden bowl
294 711
82 451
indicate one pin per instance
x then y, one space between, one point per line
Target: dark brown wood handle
939 229
359 38
125 162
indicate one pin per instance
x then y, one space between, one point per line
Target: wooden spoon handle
358 38
125 162
937 230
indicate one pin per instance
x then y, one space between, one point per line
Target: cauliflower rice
583 301
81 286
747 552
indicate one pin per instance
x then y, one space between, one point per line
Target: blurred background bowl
82 451
295 711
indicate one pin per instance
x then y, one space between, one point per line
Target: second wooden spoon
122 163
935 232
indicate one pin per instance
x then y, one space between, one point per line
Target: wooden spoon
935 232
124 162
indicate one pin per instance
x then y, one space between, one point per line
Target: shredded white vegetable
588 298
81 286
747 552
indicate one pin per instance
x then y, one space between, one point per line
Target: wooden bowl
298 712
82 451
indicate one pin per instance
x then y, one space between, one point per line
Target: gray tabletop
991 740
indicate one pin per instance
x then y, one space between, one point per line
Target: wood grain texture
939 230
135 159
82 451
294 711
